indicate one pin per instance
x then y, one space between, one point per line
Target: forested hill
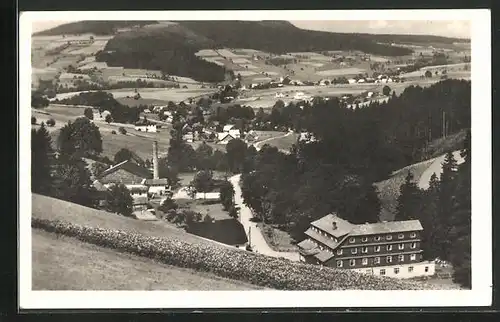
282 37
91 27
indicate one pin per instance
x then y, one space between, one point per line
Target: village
181 157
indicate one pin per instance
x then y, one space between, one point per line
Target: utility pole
444 125
250 236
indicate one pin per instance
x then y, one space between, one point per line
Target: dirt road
258 242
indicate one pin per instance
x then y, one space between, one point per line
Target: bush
227 262
51 122
33 120
113 132
122 130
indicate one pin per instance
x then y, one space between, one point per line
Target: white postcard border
481 292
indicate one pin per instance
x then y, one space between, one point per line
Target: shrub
122 130
276 273
113 132
51 122
33 120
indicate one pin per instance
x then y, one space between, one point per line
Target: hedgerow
270 272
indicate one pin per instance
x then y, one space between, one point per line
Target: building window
377 248
377 260
339 263
401 246
364 250
364 239
410 269
401 236
352 262
389 247
389 259
396 270
382 271
401 258
365 261
426 269
388 237
377 238
413 257
351 240
413 245
354 251
413 235
339 251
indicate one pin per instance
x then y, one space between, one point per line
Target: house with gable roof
384 248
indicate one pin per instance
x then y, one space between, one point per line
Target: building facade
385 248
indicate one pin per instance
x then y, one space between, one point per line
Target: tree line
444 210
63 173
355 148
105 102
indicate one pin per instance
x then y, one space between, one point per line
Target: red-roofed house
385 248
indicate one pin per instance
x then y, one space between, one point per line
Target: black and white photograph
202 155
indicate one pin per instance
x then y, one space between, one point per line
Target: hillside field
63 263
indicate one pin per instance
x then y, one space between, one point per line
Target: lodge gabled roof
129 166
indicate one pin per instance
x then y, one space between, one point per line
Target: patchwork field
139 142
159 94
62 263
341 72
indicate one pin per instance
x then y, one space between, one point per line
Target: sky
447 28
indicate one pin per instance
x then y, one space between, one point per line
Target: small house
188 137
224 138
146 128
352 81
157 186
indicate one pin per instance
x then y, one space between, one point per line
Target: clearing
62 263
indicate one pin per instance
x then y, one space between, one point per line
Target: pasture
139 142
62 263
341 72
388 190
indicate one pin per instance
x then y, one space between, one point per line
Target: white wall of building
401 271
157 189
146 128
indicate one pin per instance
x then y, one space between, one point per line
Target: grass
214 210
63 263
186 177
388 190
341 71
139 142
277 239
283 142
54 209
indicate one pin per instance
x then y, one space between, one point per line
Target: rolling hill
171 47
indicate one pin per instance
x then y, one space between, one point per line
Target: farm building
224 138
384 248
157 186
127 172
146 127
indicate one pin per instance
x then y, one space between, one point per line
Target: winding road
258 242
436 167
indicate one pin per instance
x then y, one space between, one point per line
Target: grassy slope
139 142
54 209
62 263
388 190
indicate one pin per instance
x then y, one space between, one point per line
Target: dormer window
401 236
377 238
339 251
413 235
352 240
388 237
364 239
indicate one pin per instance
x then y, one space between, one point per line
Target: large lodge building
385 248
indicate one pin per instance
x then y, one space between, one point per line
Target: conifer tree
41 160
446 202
409 200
